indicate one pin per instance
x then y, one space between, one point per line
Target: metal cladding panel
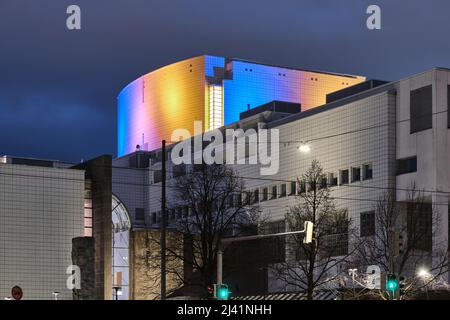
150 108
174 96
255 84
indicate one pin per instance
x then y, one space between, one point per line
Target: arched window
121 225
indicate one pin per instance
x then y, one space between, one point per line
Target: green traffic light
223 293
392 285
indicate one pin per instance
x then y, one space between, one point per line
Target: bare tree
401 241
206 205
311 266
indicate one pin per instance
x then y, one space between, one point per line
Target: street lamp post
55 294
352 272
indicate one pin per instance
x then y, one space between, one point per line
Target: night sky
58 88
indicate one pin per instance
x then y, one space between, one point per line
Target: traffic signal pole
219 264
308 231
163 222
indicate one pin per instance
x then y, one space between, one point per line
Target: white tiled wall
41 210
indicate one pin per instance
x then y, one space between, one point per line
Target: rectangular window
256 196
419 225
265 194
238 200
302 187
179 170
249 198
185 212
274 192
367 224
333 180
367 171
154 217
275 247
283 190
344 177
157 176
356 174
139 214
293 191
198 167
421 109
406 165
230 201
323 183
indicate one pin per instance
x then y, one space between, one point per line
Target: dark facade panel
32 162
367 224
357 88
406 165
421 109
274 106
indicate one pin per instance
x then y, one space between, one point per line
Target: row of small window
173 214
301 187
177 171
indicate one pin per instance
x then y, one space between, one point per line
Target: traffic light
392 282
221 292
309 228
210 292
392 286
402 286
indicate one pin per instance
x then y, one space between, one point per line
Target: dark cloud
58 88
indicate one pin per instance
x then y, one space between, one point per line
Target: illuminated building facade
214 90
372 140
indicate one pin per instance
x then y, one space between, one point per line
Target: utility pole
163 222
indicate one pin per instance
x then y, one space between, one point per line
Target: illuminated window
215 107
